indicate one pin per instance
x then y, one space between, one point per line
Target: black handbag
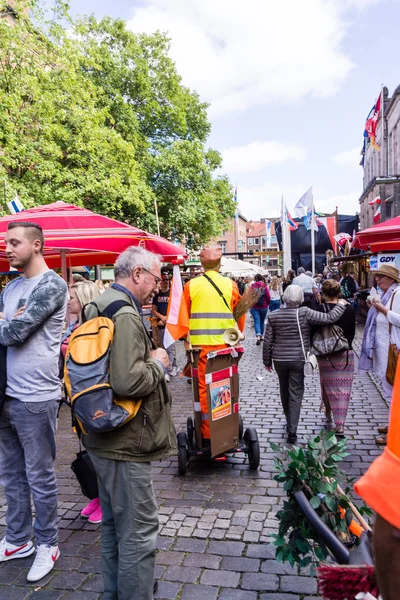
84 471
3 375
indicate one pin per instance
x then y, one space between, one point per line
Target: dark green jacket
150 435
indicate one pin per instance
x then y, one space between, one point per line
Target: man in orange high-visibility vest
210 300
380 489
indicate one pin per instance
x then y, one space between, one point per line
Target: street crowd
300 322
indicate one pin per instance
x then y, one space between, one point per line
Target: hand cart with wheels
227 433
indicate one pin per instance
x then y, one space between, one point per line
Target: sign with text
388 258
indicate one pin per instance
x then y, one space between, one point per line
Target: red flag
377 215
177 325
372 123
376 200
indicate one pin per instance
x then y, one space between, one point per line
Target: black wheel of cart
182 452
241 427
190 430
253 448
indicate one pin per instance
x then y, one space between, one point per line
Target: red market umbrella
76 236
381 237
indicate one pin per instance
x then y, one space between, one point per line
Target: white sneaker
45 559
9 551
167 377
174 371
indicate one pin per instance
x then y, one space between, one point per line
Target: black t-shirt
347 321
348 286
160 301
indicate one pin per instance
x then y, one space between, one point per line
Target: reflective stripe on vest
209 316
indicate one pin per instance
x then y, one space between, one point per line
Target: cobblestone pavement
215 521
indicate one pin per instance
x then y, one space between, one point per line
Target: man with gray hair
122 457
305 281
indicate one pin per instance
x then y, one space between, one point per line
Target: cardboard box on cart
222 380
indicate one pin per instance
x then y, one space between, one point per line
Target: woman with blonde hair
275 294
100 285
80 294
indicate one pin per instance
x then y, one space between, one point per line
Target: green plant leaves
314 469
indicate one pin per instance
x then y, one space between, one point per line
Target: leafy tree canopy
95 115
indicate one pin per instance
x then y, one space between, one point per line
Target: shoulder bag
329 339
310 361
393 354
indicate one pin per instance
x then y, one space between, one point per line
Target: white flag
304 205
15 206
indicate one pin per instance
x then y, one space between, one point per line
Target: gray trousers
291 384
128 529
27 453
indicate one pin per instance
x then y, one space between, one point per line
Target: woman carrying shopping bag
336 369
287 345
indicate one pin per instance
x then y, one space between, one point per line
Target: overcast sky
289 83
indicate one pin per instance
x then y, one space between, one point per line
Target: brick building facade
233 238
382 168
257 241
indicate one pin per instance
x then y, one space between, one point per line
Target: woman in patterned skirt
337 370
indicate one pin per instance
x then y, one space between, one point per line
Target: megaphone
233 336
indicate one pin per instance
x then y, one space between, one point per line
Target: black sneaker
258 342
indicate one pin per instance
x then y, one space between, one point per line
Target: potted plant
318 518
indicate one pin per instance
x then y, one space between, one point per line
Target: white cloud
239 55
258 201
347 203
257 155
349 158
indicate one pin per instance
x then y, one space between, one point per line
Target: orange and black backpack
87 375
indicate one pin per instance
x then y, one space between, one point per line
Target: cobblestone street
215 521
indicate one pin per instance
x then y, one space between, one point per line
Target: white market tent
238 267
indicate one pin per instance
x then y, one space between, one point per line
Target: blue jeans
259 315
274 305
27 453
128 528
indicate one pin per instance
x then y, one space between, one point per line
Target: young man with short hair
33 308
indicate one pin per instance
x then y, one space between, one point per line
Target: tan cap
389 271
210 256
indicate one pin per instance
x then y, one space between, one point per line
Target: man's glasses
156 279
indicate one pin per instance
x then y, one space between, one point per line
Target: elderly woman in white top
375 344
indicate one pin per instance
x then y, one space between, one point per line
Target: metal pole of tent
312 237
64 274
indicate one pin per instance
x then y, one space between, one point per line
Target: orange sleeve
234 302
186 296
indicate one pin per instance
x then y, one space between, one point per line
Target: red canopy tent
383 237
75 236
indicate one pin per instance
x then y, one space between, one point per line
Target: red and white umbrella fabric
384 237
77 236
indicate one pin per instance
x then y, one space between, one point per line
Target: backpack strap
109 310
113 308
218 290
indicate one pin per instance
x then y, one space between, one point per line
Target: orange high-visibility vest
380 486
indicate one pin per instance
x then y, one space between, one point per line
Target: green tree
101 118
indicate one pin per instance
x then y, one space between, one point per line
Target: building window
223 246
240 246
256 241
249 241
224 233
